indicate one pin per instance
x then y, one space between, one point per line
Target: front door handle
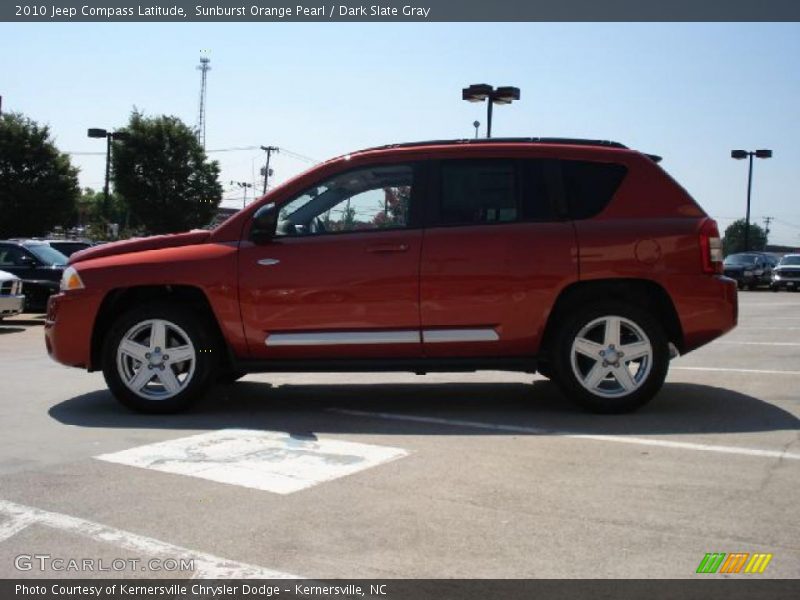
386 248
268 262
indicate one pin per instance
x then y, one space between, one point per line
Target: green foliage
38 185
733 240
163 175
89 214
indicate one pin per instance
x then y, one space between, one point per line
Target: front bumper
786 281
68 327
11 305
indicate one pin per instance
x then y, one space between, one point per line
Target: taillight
710 247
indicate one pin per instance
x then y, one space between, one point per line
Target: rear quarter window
589 186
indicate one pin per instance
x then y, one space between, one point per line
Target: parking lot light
96 132
479 92
740 155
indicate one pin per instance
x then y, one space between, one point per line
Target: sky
688 92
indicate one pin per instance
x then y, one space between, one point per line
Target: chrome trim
477 334
268 262
343 338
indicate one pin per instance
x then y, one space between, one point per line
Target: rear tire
159 358
611 357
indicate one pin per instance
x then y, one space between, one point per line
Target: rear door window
474 192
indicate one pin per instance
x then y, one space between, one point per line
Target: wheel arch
641 292
120 300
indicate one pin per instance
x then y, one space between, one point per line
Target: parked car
69 247
581 259
787 274
749 269
12 298
38 265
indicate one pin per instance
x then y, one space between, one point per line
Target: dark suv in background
750 269
39 265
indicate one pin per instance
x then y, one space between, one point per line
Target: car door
340 277
20 262
494 258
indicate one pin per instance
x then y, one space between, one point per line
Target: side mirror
265 220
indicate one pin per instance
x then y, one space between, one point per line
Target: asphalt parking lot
489 475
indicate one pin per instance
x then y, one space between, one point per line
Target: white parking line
207 566
729 370
759 343
767 329
582 436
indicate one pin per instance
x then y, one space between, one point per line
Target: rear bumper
68 328
11 305
707 307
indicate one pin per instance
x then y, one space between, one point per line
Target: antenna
204 67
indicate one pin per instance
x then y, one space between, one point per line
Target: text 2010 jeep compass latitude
583 260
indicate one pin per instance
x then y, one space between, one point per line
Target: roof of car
557 141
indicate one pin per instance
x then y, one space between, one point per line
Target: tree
38 185
164 176
733 240
89 214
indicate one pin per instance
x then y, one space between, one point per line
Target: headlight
70 280
748 273
776 276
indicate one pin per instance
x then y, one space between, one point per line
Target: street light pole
110 136
108 175
244 185
740 154
478 92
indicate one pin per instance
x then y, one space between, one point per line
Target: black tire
205 356
774 288
545 369
229 377
646 387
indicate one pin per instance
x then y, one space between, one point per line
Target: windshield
790 260
741 259
48 255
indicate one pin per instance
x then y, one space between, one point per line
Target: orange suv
580 259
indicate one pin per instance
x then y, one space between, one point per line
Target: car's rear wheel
611 358
159 359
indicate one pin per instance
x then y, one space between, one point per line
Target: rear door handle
268 262
386 248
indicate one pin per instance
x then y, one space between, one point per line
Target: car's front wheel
159 359
611 358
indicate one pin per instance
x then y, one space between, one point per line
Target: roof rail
507 140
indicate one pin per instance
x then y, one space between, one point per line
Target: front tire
611 358
159 358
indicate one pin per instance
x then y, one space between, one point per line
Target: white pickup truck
11 297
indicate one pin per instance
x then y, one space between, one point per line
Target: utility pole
204 67
269 150
244 185
767 221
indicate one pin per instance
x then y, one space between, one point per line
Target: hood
155 242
